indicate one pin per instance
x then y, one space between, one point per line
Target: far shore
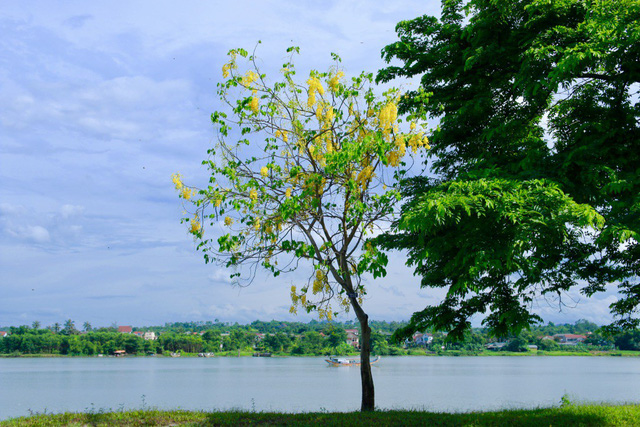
453 353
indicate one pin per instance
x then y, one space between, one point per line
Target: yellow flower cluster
325 314
402 148
225 70
230 65
177 180
294 295
253 194
329 146
329 115
287 193
344 302
364 176
319 282
314 86
228 221
254 104
186 193
393 159
417 141
249 78
387 117
333 81
256 224
264 171
281 133
194 225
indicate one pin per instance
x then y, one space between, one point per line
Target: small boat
175 355
205 354
343 361
261 354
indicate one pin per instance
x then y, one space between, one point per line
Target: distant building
569 339
353 338
3 334
422 339
138 333
125 329
495 345
150 335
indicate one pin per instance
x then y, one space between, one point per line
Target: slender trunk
368 395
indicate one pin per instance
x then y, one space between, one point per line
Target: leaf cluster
536 150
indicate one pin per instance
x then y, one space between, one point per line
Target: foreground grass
588 415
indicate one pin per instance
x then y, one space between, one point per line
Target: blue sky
101 103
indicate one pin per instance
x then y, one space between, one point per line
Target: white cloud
101 103
34 233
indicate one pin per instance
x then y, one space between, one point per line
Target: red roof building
125 329
352 337
3 334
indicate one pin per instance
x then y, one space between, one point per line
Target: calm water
308 384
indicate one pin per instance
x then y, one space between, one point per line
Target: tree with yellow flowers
303 174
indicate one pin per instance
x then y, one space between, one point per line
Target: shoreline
539 353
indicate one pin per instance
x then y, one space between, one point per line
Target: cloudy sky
100 102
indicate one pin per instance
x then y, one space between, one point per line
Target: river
309 384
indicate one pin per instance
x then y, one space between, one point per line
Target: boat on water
344 361
261 354
206 354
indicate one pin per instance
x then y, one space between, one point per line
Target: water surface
308 384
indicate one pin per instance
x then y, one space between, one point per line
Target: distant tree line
289 338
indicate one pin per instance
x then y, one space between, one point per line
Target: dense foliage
536 157
291 338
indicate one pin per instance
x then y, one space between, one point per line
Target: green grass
571 415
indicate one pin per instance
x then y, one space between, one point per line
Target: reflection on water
308 384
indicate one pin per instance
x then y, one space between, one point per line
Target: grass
569 415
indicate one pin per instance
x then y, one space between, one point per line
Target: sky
100 102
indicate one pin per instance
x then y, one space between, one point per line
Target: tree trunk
368 393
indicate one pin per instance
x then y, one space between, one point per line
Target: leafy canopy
302 172
536 155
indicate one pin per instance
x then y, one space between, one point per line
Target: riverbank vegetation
587 415
308 339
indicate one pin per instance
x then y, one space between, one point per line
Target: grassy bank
588 415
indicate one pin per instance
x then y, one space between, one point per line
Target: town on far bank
279 338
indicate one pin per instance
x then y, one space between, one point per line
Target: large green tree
536 156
